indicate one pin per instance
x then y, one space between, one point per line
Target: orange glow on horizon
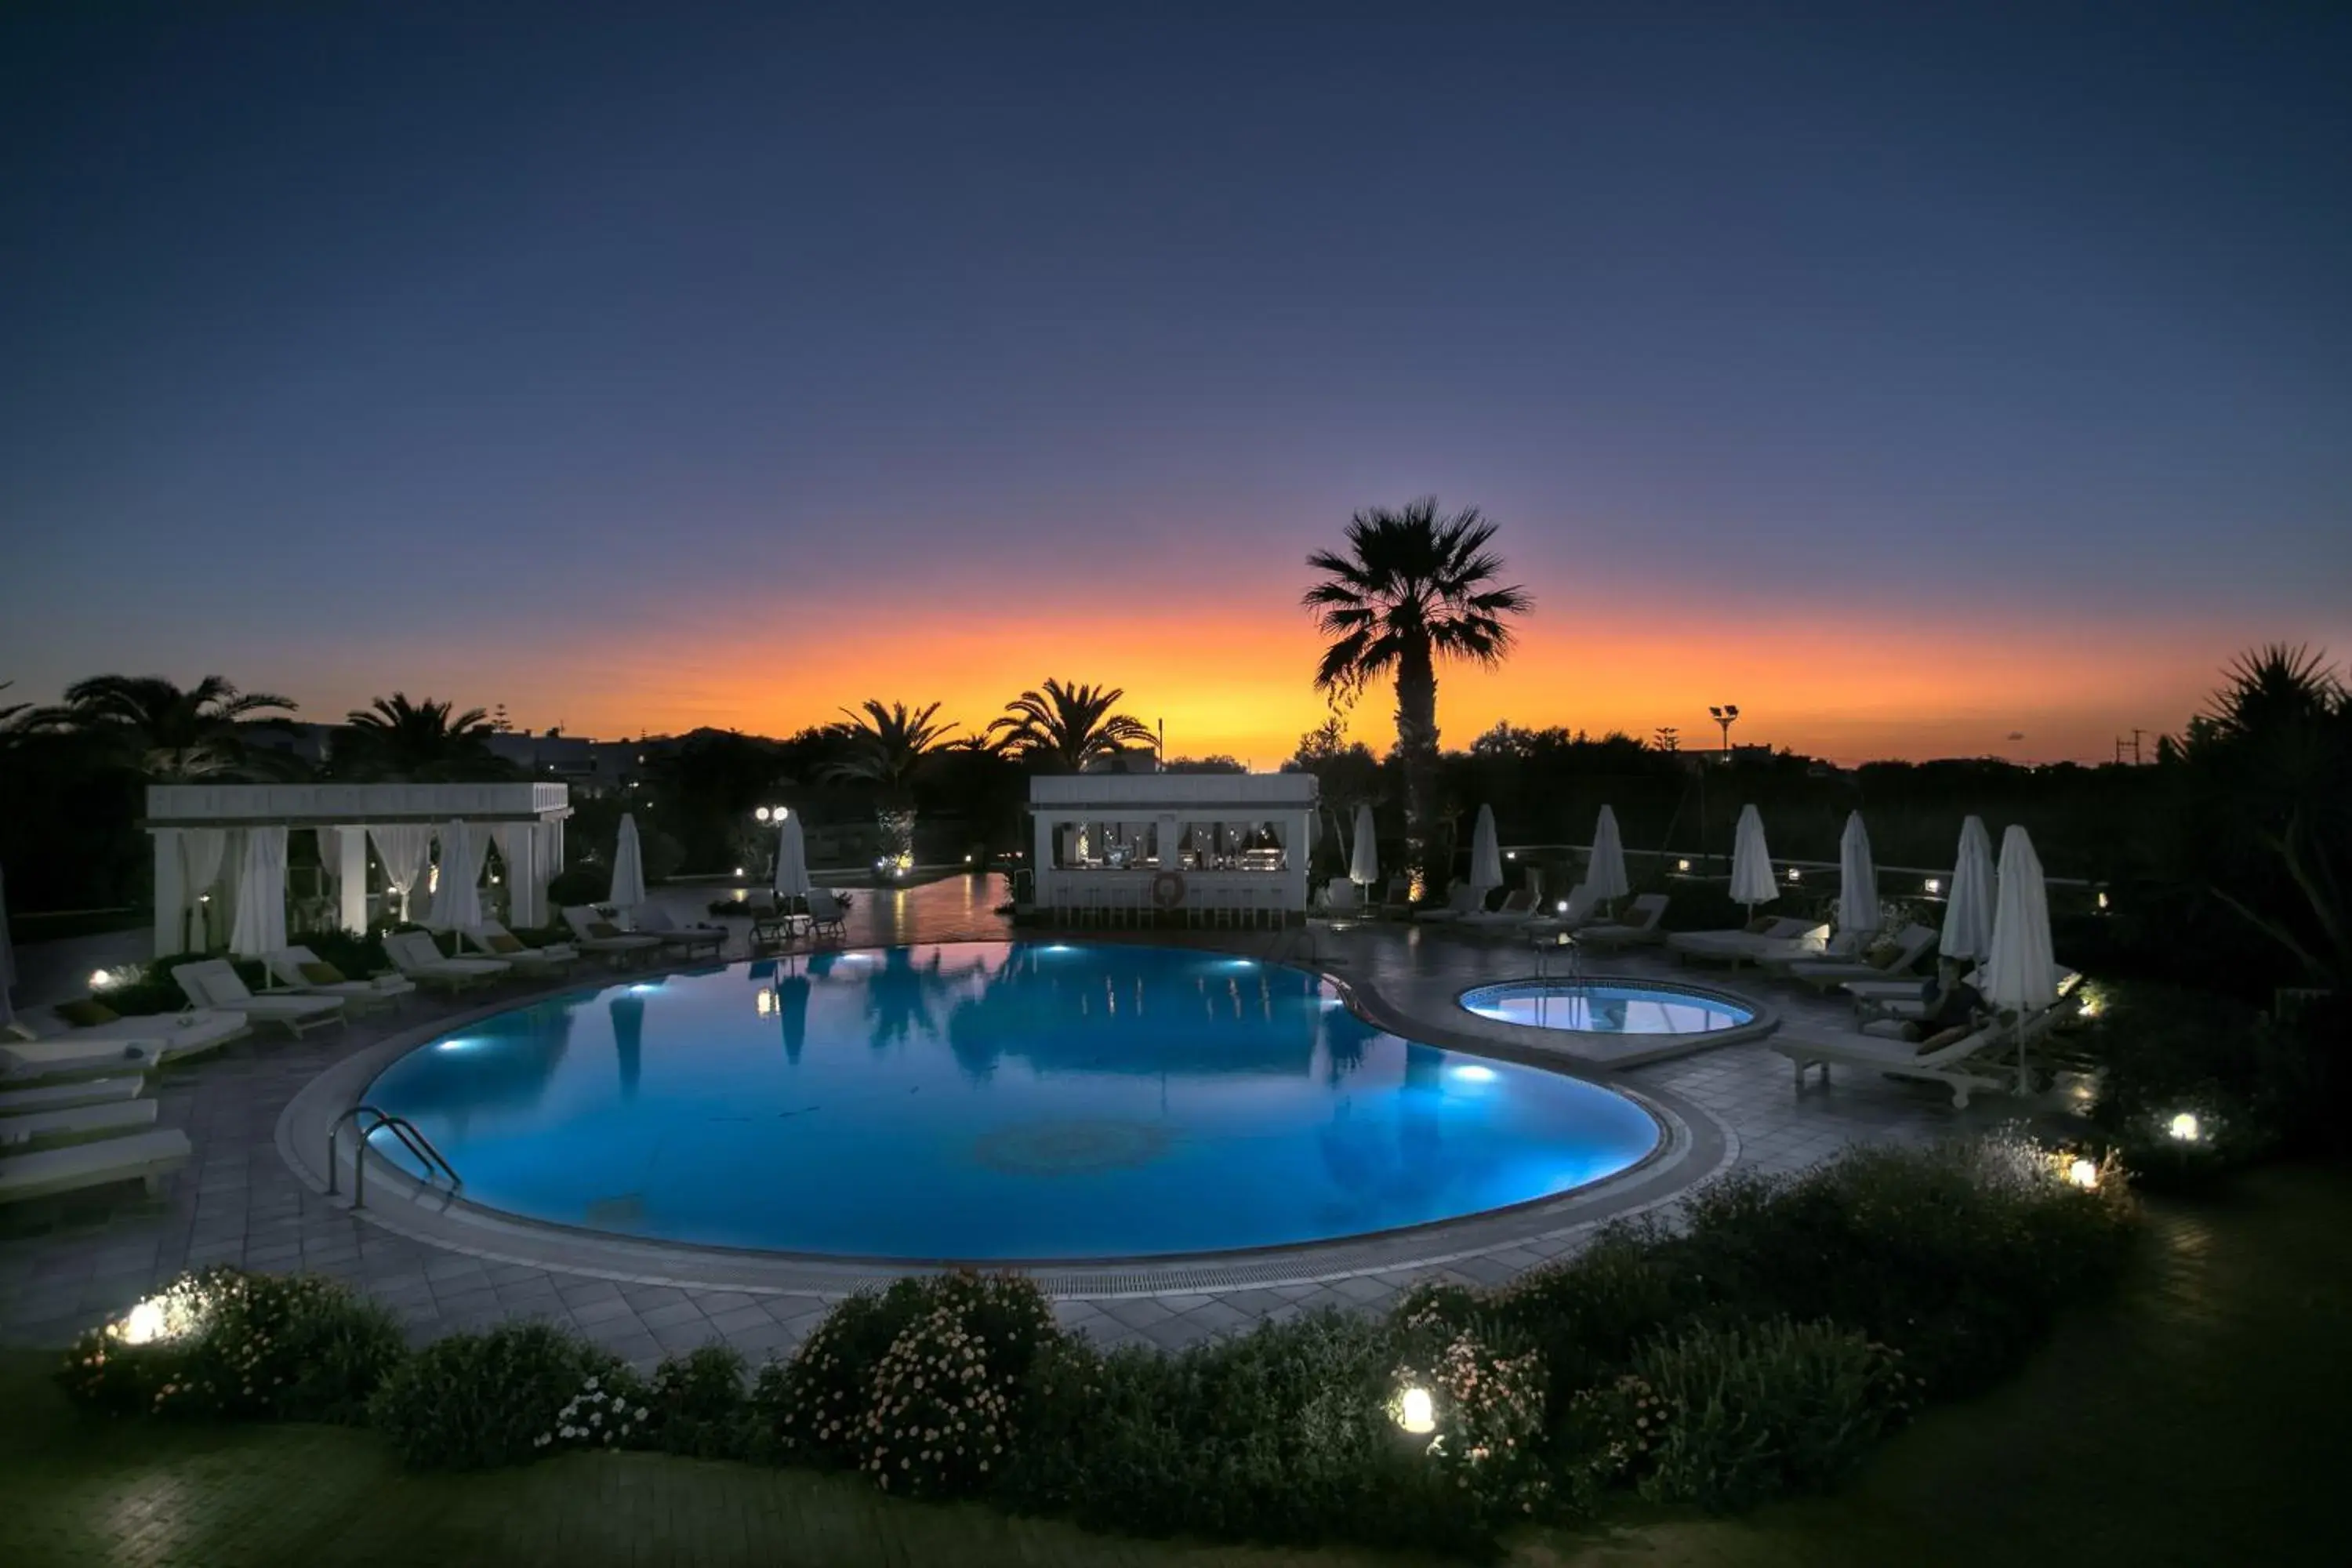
1241 685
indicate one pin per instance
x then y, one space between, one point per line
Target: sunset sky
1913 376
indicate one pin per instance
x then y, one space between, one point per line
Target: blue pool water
1607 1009
990 1100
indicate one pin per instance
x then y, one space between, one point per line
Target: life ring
1167 890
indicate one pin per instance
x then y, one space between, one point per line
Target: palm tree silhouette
394 738
1411 588
157 729
887 746
1067 726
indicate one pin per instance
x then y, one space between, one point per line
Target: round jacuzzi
1607 1008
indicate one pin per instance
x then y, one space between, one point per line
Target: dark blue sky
359 346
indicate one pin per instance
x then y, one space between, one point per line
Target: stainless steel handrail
411 1136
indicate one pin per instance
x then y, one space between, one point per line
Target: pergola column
351 872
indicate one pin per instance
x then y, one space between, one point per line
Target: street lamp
1727 715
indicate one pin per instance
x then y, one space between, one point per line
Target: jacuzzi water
1606 1009
991 1102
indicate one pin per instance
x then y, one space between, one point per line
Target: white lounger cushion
286 966
44 1059
59 1096
206 1027
413 954
142 1156
41 1126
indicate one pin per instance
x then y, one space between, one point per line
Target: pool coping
1694 1147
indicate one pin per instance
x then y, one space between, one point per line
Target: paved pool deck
66 1264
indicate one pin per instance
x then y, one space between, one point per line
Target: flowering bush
599 1416
222 1344
827 1404
1726 1417
475 1401
941 1410
1487 1410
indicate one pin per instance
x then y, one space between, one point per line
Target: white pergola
228 841
1238 840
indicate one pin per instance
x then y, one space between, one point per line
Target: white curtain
518 844
201 851
260 925
171 894
1281 842
457 902
550 863
404 849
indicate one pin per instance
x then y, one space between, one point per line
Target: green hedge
1761 1348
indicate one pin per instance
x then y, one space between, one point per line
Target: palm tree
396 739
159 730
1412 587
2266 771
887 746
1067 726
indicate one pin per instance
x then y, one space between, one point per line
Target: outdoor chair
214 982
1637 923
418 957
143 1157
299 969
1888 958
592 933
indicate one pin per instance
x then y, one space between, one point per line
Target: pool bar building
1222 844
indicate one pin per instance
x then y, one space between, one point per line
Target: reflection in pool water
992 1100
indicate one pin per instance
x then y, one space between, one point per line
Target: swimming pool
991 1101
1607 1009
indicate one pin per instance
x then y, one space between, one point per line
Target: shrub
1958 1256
228 1344
697 1404
579 885
475 1401
1586 1314
1728 1416
2164 1051
812 1409
1488 1407
1283 1433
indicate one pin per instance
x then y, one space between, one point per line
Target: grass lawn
2202 1418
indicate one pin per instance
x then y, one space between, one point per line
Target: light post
1726 716
770 816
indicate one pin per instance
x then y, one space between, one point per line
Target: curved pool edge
1694 1146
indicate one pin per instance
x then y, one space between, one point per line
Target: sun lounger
651 920
598 935
827 913
24 1059
1638 923
299 970
1918 999
1784 936
1461 899
1907 948
214 982
178 1034
492 939
1967 1062
142 1157
64 1096
1517 908
418 957
1574 914
1396 903
37 1129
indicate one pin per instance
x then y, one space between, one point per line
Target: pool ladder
411 1136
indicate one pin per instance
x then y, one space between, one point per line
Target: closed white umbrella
261 924
1364 861
1486 854
791 860
1751 863
457 905
1968 911
1606 876
2022 975
1857 881
628 868
8 957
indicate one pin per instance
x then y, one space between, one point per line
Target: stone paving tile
671 1314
